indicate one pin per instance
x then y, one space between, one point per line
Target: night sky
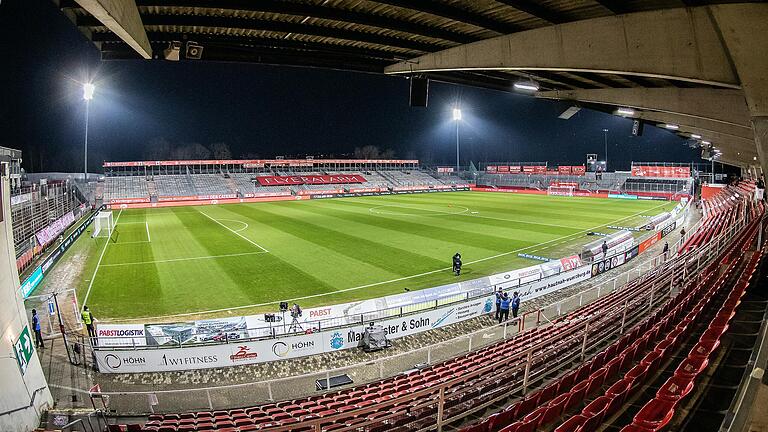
264 111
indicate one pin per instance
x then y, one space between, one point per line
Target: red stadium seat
655 414
554 409
675 388
573 424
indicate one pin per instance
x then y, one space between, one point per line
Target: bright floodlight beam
628 112
457 119
88 90
671 126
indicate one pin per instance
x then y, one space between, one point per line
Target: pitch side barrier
134 354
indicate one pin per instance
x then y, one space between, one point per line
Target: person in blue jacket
36 327
504 307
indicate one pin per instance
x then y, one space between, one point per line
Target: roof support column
744 30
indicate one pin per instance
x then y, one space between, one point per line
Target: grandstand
133 182
590 367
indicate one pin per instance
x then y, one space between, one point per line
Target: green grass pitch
168 261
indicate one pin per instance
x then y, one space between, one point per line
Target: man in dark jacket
665 252
499 295
457 264
605 249
515 304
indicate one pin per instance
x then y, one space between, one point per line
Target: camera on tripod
296 311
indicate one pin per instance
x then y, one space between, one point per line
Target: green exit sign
24 349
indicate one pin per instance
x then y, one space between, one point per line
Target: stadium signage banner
661 171
315 179
445 169
603 266
49 233
553 283
112 335
223 355
622 196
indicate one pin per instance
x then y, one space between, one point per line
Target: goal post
561 190
103 224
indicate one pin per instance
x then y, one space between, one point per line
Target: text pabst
121 333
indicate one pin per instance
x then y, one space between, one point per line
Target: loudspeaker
706 153
637 127
194 51
419 92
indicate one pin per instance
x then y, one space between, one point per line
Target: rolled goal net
103 224
561 190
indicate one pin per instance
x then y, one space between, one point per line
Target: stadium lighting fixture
627 112
527 85
671 126
706 143
457 119
88 90
605 134
695 136
754 157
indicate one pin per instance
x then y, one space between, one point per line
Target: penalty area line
183 259
382 282
98 263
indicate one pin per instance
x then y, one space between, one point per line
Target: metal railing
680 269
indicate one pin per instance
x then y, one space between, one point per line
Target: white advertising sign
223 355
115 335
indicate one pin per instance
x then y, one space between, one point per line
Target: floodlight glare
527 85
706 143
672 126
88 90
695 136
625 112
456 114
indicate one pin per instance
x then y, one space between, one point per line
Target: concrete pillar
744 30
23 397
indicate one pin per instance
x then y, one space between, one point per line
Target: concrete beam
744 30
718 105
123 19
682 44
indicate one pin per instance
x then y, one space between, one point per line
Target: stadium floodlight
706 143
754 157
695 136
88 90
527 85
671 126
457 119
627 112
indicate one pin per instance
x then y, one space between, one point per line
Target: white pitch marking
383 282
183 259
235 232
146 224
245 225
106 243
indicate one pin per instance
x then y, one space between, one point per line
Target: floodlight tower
457 119
605 134
88 89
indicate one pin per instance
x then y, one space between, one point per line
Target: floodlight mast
457 119
88 89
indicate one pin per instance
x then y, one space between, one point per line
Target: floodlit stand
103 224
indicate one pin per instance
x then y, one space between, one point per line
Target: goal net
561 190
103 224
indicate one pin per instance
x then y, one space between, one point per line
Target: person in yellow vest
88 319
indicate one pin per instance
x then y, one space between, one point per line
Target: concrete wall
22 398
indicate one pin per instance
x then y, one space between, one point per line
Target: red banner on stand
312 179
